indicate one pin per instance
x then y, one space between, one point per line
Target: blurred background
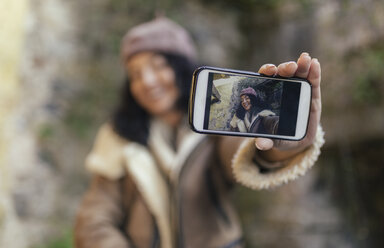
60 76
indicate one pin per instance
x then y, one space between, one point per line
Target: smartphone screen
251 105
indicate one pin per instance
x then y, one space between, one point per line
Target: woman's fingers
263 144
303 65
287 69
268 70
314 76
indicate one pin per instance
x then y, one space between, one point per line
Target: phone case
241 72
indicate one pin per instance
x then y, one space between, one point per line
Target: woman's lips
156 93
246 106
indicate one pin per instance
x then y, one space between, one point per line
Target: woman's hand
308 68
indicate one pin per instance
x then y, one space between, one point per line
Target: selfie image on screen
251 105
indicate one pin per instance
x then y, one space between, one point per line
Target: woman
252 116
157 184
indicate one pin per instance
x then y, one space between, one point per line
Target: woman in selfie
252 116
155 183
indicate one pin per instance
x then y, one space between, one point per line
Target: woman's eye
135 76
159 63
159 66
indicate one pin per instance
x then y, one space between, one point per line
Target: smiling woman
246 102
155 182
153 84
252 116
131 119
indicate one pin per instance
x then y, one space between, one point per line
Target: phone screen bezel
198 99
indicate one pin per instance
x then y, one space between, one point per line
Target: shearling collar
113 156
266 112
106 157
170 160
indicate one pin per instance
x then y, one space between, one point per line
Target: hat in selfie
248 91
158 35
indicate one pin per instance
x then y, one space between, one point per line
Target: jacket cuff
248 173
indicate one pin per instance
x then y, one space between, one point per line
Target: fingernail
315 60
263 144
257 146
304 54
291 64
269 66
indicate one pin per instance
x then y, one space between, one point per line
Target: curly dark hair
131 121
257 105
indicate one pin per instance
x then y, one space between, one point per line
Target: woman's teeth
156 93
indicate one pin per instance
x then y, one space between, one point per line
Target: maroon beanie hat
158 35
248 91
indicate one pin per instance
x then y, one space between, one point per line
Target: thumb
263 144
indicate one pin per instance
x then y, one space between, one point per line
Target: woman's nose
149 77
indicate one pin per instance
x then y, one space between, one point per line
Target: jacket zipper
176 203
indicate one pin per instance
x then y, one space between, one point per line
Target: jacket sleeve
100 216
250 171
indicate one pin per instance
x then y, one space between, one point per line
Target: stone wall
33 182
11 22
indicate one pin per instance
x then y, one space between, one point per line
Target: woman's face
246 102
153 83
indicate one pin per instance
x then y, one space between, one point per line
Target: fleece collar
145 165
170 160
113 156
153 187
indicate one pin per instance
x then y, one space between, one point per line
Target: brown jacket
264 122
132 202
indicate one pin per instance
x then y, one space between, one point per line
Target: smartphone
241 103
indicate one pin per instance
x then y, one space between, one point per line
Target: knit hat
248 91
158 35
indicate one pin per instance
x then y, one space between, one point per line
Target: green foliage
90 106
65 241
46 132
80 117
365 90
367 86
